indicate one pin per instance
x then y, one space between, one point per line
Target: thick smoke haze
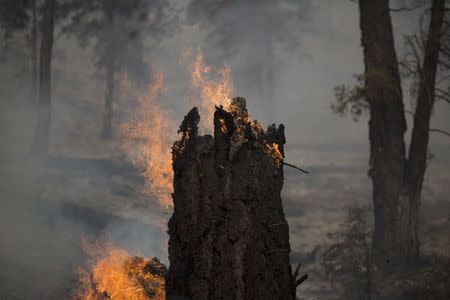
285 57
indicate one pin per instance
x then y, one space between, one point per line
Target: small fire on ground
115 275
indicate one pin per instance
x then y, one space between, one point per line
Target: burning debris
117 275
229 238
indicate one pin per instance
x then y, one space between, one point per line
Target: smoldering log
223 240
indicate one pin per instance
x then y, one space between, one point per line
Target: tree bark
110 62
229 238
387 126
42 134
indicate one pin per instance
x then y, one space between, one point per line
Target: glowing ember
116 275
147 138
214 86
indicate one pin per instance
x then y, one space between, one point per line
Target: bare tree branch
443 98
404 8
301 279
440 131
442 95
295 167
297 269
415 52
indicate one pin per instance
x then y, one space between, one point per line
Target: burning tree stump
229 238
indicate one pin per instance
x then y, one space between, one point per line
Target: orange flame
223 126
147 139
115 275
214 86
274 151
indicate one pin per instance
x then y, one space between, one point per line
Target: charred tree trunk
110 66
229 238
42 134
397 180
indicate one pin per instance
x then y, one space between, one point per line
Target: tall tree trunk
34 63
417 158
109 69
397 181
387 126
41 138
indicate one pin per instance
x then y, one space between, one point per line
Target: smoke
285 58
257 39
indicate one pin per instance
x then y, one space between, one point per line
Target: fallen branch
295 167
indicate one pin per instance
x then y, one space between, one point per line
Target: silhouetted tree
119 30
397 178
42 134
34 50
15 17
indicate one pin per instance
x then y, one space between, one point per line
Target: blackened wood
222 244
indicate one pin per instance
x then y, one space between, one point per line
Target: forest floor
49 205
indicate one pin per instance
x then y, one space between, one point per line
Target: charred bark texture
229 238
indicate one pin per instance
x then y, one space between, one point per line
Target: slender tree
17 16
34 51
13 16
120 30
110 66
41 137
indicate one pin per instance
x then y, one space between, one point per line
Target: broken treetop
232 129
